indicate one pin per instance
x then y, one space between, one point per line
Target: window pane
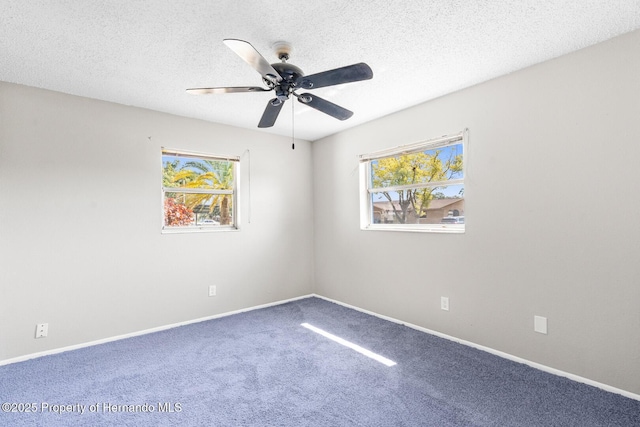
436 205
199 191
193 172
432 165
197 209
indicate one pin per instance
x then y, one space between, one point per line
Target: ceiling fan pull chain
293 127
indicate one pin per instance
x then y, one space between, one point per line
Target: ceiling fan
285 79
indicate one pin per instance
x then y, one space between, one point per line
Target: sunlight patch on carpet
351 345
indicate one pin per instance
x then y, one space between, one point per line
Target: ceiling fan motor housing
289 73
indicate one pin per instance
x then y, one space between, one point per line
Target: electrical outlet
42 329
540 324
212 290
444 303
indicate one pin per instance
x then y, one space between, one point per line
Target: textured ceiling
146 53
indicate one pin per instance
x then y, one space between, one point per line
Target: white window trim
365 184
235 191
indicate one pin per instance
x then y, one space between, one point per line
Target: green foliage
169 172
411 169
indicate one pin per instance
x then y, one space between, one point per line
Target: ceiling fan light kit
285 79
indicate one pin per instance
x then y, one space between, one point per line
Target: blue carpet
261 368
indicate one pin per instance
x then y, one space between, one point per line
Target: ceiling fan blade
271 113
325 106
252 57
350 73
215 90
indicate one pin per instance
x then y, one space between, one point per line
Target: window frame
366 186
234 192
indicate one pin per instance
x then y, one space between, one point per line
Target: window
199 192
418 187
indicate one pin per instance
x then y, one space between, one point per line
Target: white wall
80 217
559 144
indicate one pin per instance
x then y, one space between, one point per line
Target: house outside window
417 187
199 192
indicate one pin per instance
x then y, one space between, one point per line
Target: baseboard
144 332
502 354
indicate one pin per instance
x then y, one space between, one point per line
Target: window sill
198 229
431 228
